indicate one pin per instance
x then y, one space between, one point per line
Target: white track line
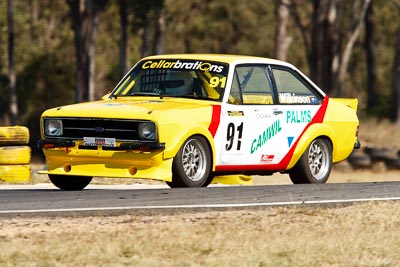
208 205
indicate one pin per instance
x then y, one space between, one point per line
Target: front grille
121 130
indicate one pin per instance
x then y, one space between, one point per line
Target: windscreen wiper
145 94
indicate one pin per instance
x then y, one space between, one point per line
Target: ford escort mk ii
186 119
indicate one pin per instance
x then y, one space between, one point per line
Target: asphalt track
46 199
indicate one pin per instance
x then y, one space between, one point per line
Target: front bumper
128 146
126 160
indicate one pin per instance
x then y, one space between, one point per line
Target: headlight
53 127
147 131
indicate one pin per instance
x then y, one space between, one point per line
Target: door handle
277 112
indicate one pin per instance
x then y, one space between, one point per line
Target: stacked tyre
15 154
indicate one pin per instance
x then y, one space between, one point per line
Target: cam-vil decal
235 113
177 64
298 116
263 138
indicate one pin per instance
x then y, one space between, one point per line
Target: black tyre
315 165
70 182
191 166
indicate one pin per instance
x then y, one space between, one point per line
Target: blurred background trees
59 52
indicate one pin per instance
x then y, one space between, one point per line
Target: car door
297 100
250 120
267 111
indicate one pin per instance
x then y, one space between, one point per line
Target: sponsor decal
290 140
186 65
263 138
134 102
114 104
263 116
148 102
235 113
267 158
260 114
298 116
291 98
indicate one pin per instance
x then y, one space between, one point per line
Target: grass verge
359 235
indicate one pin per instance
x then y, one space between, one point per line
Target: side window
293 90
236 95
253 84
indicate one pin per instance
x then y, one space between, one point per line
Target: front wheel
70 182
315 165
191 166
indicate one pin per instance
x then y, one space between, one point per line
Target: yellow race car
185 119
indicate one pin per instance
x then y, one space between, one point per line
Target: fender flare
317 130
175 145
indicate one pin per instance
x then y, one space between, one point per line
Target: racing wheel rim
194 160
318 159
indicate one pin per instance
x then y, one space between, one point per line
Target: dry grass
360 235
380 134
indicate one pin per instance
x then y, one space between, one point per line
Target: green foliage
45 52
5 94
232 27
382 110
44 83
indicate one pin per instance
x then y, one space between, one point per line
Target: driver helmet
185 82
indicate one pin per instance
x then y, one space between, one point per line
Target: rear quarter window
292 89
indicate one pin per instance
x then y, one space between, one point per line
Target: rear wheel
315 165
70 182
191 166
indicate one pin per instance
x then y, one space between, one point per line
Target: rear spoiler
350 102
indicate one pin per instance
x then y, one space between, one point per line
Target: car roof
221 58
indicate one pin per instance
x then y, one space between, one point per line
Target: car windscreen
175 78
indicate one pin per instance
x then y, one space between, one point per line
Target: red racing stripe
215 119
320 115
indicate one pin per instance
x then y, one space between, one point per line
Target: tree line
60 52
